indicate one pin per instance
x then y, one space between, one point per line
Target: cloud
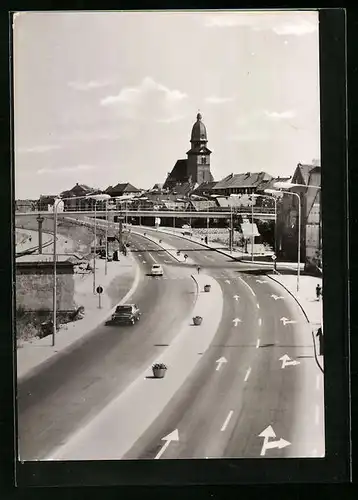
258 21
92 84
39 149
218 100
280 116
61 170
148 86
148 101
171 119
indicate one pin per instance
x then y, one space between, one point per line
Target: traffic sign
99 289
273 257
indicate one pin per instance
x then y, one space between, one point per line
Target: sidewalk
143 400
121 282
306 298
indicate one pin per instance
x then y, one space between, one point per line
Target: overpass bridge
258 213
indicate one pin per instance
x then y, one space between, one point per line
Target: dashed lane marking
227 420
258 343
258 306
260 321
247 374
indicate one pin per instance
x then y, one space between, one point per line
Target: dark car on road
126 314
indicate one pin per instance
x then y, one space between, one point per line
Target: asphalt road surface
221 410
56 402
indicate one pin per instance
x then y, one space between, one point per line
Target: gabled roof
204 187
269 184
124 187
178 174
302 173
245 180
203 204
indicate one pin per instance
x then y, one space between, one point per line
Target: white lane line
153 258
258 306
260 321
247 374
249 287
226 423
317 382
258 343
316 417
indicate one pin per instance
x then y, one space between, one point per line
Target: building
34 283
26 205
245 183
194 170
121 189
308 176
79 190
46 201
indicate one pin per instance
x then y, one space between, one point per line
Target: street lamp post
95 246
252 227
54 286
105 264
299 230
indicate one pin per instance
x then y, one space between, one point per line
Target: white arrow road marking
247 374
173 436
286 361
236 321
260 321
227 281
286 321
261 281
236 297
225 424
258 343
270 433
276 297
220 361
249 287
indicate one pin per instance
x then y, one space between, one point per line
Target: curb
223 252
305 315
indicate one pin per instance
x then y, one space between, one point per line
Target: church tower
198 163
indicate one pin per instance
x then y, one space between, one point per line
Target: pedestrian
318 291
198 269
319 334
206 240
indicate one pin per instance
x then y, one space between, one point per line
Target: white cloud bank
62 170
92 84
146 87
218 100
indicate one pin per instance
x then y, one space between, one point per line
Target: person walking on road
206 240
198 268
318 291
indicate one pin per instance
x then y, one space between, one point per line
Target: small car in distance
156 270
125 314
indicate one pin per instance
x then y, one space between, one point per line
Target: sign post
273 257
99 290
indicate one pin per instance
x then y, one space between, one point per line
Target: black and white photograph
168 235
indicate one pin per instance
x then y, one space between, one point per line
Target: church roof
177 175
198 132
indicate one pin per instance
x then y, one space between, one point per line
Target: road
56 402
221 410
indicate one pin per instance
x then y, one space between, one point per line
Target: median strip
114 431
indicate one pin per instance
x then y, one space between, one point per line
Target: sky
108 97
